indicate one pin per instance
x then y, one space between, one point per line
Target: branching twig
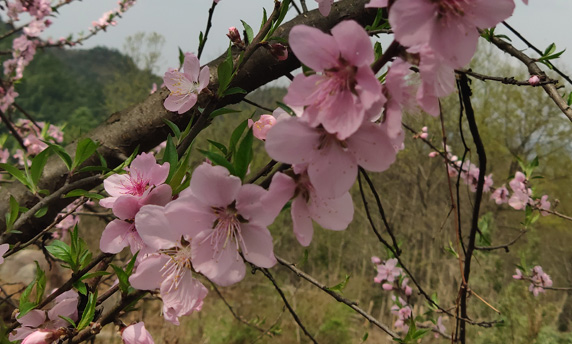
207 30
234 314
533 68
287 304
338 297
466 95
536 50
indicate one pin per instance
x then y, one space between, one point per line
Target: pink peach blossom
332 163
185 87
64 305
500 195
330 213
448 26
260 128
122 232
136 334
346 92
141 176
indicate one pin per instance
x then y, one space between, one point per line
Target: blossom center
447 8
178 265
226 230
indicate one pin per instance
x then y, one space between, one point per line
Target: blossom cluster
393 278
539 280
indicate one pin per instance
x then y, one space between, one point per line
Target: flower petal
314 48
257 245
302 223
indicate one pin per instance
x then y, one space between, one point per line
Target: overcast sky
180 21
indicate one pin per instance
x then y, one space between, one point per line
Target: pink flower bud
234 35
40 337
375 260
424 136
518 275
534 80
433 154
387 286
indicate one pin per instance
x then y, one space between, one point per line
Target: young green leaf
85 149
235 136
16 173
174 128
338 288
243 156
249 34
88 312
222 111
218 159
170 155
38 164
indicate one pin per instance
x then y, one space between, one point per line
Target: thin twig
537 50
234 314
505 80
257 105
533 69
13 130
207 30
338 297
504 246
46 201
290 309
381 211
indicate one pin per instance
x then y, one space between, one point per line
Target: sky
180 21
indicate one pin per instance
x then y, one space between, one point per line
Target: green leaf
16 173
181 169
38 163
286 108
378 50
235 136
69 320
60 251
549 50
225 73
41 212
243 156
365 336
569 101
85 149
123 279
219 146
81 287
84 193
94 274
340 286
61 152
40 283
234 90
170 155
13 214
182 56
88 312
249 34
218 159
222 111
174 128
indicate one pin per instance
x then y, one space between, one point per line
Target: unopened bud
234 35
534 80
